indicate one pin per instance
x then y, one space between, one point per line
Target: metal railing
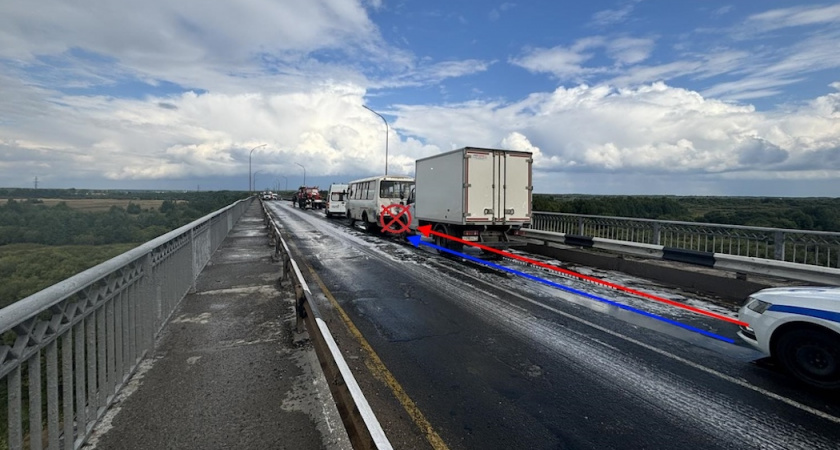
818 248
68 349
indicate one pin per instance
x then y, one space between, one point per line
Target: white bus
366 198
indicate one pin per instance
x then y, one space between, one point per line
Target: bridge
264 326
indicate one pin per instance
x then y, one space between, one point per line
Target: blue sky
612 97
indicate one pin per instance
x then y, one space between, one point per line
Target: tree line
815 214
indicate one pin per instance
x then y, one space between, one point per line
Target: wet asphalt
496 362
228 371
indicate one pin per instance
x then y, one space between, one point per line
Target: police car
800 328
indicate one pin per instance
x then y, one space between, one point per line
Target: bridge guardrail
362 426
106 319
732 263
818 248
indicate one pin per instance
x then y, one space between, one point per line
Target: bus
366 198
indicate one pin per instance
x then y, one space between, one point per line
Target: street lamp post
250 174
386 136
304 173
254 179
287 182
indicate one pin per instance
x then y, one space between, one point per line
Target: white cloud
231 47
325 129
652 129
607 17
794 17
723 10
627 50
562 62
496 12
422 75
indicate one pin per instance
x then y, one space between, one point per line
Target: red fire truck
308 197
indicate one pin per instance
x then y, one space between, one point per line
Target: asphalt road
496 361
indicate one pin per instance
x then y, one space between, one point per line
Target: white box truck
475 194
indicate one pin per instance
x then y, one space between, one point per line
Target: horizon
2 188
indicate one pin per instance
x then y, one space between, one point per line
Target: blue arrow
417 240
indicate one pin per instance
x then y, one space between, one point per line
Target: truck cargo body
476 194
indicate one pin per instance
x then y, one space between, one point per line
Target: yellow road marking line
378 369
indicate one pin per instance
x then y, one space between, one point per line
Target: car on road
799 327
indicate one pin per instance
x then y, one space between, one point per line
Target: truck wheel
812 356
446 243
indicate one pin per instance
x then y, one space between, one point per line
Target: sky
647 97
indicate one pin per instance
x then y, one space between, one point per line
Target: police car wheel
812 356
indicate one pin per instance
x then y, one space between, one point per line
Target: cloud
496 12
253 44
208 134
794 17
429 74
563 63
607 17
568 63
627 50
723 10
650 129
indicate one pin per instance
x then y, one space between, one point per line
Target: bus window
395 189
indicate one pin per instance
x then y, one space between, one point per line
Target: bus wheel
369 227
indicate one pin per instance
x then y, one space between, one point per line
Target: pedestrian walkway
227 371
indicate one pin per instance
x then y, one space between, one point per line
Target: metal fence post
657 229
779 245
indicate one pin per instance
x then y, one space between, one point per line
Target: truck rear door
480 187
516 183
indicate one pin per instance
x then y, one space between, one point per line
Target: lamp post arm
387 132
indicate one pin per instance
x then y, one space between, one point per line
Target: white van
337 200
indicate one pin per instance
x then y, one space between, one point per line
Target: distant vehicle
308 197
799 327
368 197
475 194
269 196
336 200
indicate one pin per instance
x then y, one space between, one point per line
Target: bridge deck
227 371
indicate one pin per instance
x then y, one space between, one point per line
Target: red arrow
426 230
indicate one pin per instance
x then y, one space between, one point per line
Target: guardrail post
657 229
149 298
300 312
193 261
779 245
580 226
